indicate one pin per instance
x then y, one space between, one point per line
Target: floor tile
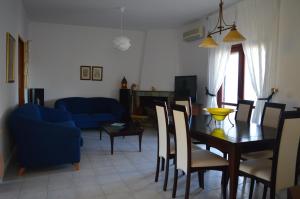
126 174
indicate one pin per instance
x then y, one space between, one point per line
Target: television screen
186 86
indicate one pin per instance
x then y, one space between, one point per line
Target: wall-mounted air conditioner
193 34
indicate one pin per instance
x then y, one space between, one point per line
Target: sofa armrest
42 143
55 115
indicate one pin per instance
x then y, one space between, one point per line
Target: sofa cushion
103 117
76 105
67 123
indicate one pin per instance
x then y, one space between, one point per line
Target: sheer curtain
217 63
258 22
217 60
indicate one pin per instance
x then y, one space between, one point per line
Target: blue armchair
44 136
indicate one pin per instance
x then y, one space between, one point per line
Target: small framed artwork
10 58
85 72
97 73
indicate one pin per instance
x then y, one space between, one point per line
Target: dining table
232 139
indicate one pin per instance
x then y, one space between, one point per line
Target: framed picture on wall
85 72
10 57
97 73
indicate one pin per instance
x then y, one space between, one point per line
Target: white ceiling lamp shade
122 42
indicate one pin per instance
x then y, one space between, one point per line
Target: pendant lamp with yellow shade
232 36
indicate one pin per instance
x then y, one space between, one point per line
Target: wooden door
21 73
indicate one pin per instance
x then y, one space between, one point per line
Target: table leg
140 142
234 163
100 134
111 145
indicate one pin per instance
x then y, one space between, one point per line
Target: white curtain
258 22
217 60
217 63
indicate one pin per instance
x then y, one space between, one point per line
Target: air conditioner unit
193 34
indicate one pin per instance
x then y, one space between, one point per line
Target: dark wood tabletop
234 140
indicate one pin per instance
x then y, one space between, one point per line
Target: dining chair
271 115
165 143
280 172
165 148
187 103
244 110
193 161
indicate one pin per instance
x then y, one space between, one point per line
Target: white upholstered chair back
187 104
287 152
271 115
163 138
244 110
181 140
271 118
242 113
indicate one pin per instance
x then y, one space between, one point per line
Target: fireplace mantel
138 98
169 94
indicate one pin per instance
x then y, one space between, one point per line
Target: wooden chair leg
166 174
225 177
76 166
175 183
21 171
272 196
157 168
251 188
162 164
187 185
201 179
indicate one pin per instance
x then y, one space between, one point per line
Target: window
237 82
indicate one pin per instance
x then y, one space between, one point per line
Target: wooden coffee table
128 129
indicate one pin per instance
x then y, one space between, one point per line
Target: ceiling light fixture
232 36
122 42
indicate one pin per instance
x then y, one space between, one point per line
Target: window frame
238 48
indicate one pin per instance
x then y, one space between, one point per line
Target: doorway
21 71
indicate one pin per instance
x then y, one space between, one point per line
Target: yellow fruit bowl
219 114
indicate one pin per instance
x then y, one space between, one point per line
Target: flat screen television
186 86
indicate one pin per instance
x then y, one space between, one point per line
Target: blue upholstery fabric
90 112
44 136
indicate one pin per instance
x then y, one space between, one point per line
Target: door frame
21 70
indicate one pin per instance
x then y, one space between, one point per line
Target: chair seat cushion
260 168
258 155
203 158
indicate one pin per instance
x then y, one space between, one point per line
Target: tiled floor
128 174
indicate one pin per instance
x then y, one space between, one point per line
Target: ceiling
140 14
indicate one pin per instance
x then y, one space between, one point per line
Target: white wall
58 51
194 61
161 60
288 80
13 20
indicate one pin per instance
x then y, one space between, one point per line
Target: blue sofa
90 112
44 136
